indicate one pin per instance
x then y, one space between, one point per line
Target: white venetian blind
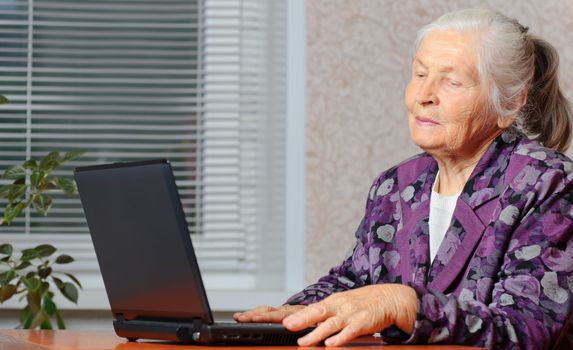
198 82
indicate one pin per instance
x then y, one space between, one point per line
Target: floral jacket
503 275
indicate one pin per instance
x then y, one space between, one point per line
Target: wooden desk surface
106 340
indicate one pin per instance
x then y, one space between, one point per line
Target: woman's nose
427 93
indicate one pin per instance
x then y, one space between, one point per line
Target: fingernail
303 341
290 323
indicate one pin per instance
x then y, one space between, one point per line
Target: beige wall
357 65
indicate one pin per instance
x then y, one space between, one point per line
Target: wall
358 57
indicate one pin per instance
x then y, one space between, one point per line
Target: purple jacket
503 275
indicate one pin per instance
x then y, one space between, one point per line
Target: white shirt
441 212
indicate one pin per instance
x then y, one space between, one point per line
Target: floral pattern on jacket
503 275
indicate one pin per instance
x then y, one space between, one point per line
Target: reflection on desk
106 340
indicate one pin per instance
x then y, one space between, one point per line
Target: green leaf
70 292
6 277
44 272
46 324
42 203
26 317
3 99
33 284
4 190
60 320
6 292
24 314
6 249
73 278
71 155
23 265
28 321
16 192
11 211
49 306
50 185
30 164
29 254
20 181
36 177
59 283
44 288
14 172
45 250
64 259
50 162
67 185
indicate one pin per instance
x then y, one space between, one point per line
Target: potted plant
32 273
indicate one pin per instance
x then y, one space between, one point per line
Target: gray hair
510 63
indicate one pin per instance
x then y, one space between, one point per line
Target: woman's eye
455 83
420 75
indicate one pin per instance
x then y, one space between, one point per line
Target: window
200 82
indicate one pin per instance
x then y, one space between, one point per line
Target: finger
307 317
347 334
262 308
278 314
248 315
273 317
325 329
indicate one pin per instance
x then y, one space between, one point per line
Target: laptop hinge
188 333
183 331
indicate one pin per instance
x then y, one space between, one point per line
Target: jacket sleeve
532 298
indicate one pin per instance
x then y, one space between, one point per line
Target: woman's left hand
356 312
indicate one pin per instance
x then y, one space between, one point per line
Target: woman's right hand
267 314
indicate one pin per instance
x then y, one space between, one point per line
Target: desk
107 340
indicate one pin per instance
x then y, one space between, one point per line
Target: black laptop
146 257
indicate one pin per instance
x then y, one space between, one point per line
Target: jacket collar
488 177
472 214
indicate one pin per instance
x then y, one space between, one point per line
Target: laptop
147 261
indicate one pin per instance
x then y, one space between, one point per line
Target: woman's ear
521 99
505 122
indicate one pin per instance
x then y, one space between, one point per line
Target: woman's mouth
426 121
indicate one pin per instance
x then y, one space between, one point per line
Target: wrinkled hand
353 313
267 313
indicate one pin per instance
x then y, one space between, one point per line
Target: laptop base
198 332
156 329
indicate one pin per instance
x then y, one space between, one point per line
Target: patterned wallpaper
358 57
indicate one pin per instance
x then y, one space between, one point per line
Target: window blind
199 82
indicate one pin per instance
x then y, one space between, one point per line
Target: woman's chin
427 141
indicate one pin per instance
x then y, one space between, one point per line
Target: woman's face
444 98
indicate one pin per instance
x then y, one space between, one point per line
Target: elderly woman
471 241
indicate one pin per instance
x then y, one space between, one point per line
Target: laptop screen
142 242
